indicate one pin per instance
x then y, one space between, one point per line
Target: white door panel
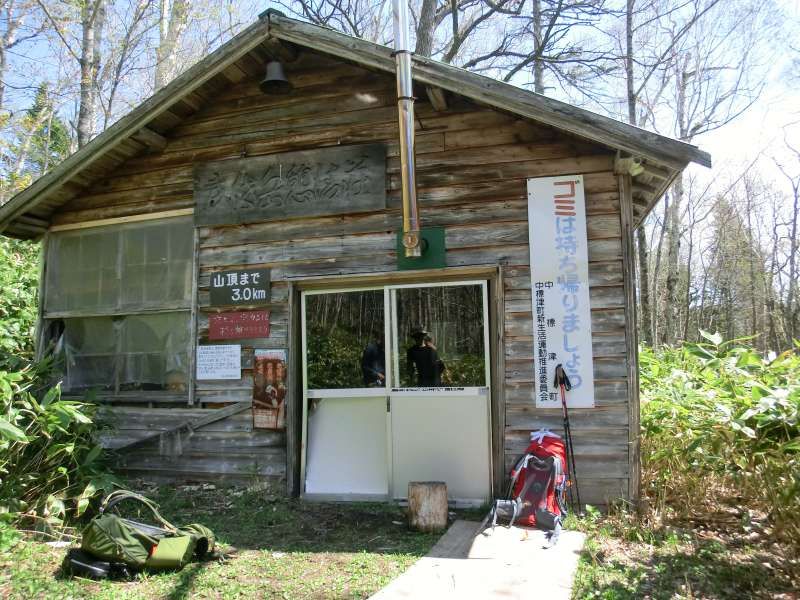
347 446
440 438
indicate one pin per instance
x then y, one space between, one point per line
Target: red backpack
538 482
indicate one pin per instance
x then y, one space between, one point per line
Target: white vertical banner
562 325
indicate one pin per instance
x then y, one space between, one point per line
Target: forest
718 253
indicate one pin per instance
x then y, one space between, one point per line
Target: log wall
472 164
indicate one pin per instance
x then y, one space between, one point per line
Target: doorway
396 384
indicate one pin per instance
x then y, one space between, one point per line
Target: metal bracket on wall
433 251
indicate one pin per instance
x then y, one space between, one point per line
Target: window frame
187 307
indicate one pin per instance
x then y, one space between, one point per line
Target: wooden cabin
224 272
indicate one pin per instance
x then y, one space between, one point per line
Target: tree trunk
3 66
688 295
644 286
656 271
673 224
92 21
172 23
538 63
425 28
673 233
427 505
791 301
630 88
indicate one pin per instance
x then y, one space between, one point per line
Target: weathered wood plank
598 466
163 419
601 273
512 170
606 393
265 463
631 336
524 417
498 217
521 371
520 324
600 297
603 345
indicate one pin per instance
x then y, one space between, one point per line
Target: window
440 335
344 347
123 294
133 267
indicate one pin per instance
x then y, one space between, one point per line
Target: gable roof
26 215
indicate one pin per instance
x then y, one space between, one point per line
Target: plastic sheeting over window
137 352
120 269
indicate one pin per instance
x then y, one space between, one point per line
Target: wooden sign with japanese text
238 325
247 286
326 181
562 321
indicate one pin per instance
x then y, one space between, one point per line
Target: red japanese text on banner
562 324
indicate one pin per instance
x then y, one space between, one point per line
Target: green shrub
51 467
720 425
334 359
19 280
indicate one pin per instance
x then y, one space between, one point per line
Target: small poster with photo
269 389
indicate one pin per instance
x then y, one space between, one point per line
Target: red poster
238 325
269 389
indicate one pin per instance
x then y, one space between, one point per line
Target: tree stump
427 505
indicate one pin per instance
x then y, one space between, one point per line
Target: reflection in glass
440 336
126 268
138 352
345 340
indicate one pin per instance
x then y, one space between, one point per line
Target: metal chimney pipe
405 113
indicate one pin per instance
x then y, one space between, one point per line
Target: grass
626 559
275 548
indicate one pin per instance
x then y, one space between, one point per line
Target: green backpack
115 539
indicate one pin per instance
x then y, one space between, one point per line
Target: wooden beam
631 338
155 142
166 214
33 222
394 277
282 51
657 172
437 98
294 395
193 424
640 187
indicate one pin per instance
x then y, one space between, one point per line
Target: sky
760 131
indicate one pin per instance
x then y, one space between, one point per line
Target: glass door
396 389
345 452
439 398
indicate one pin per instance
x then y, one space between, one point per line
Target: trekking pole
563 383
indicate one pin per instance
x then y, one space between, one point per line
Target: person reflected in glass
441 367
423 360
373 362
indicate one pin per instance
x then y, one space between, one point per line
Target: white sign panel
222 361
560 289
